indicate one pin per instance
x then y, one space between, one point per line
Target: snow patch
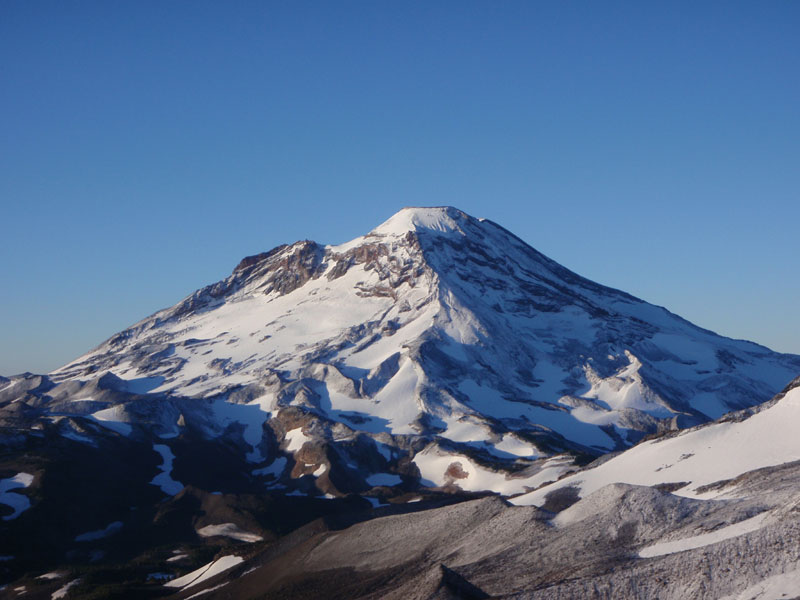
62 592
177 557
439 467
215 567
112 418
296 439
252 416
164 479
230 530
17 502
517 447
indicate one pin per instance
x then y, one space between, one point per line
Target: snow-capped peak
441 219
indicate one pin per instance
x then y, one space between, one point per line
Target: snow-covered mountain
438 358
438 348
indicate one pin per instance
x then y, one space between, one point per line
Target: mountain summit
438 350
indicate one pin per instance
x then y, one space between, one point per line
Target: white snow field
698 457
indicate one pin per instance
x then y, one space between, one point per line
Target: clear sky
146 147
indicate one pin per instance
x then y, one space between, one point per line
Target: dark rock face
293 270
248 262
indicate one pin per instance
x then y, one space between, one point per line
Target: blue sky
145 147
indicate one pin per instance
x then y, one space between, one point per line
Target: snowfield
696 457
439 468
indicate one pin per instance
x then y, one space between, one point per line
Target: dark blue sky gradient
145 147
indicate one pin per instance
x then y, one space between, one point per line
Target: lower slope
598 548
699 461
729 529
